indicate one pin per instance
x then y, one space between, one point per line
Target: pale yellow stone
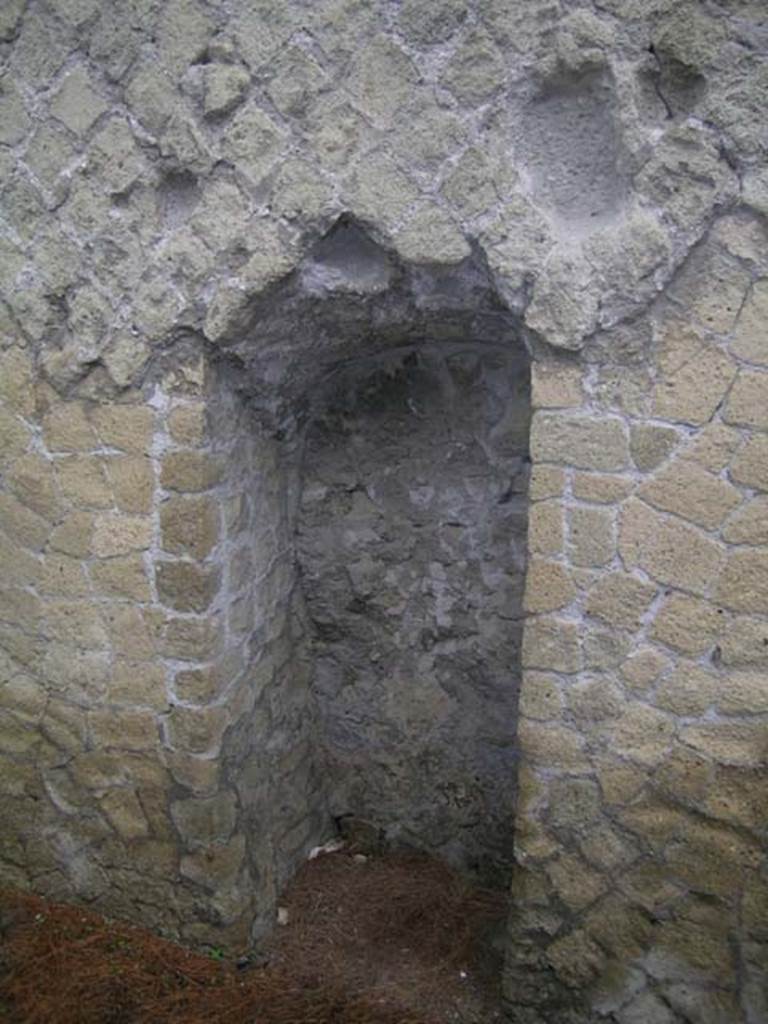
594 700
730 743
77 622
21 525
197 730
747 404
66 428
190 471
688 690
546 482
187 424
585 442
73 535
16 390
620 599
641 670
555 385
120 534
670 551
695 376
691 493
592 536
744 641
641 733
132 630
83 481
750 339
548 586
61 575
185 586
743 583
601 488
546 528
712 446
750 464
687 624
540 696
551 745
15 437
31 480
132 479
122 577
138 684
126 427
651 444
124 729
749 524
191 639
553 644
743 693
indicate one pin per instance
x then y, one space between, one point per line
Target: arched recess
371 419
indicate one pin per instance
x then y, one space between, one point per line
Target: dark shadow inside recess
397 399
411 549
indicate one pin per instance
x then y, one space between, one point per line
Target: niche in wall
394 402
411 547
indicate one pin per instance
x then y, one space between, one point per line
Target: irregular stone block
580 441
668 550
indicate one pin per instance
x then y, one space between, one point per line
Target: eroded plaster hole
410 545
571 146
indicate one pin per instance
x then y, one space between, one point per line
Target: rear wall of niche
374 427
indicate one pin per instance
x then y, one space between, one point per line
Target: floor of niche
394 938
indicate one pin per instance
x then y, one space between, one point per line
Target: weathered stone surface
120 534
620 600
651 444
601 488
749 524
750 464
743 584
190 471
186 587
747 404
687 624
172 175
203 821
548 586
76 103
643 668
555 385
668 550
749 338
551 644
691 493
546 528
688 690
592 536
580 441
695 376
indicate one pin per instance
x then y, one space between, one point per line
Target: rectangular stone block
581 441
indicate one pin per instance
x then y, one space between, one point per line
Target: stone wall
206 211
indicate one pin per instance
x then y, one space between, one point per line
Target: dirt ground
389 939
